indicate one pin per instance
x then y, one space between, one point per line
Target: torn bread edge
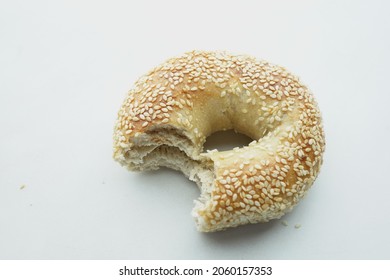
166 146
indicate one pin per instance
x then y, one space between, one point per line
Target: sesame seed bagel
167 116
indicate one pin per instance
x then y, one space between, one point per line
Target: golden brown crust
203 92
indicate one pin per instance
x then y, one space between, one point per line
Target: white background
65 68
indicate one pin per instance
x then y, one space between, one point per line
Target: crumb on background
284 223
22 186
297 226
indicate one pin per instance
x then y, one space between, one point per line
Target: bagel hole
226 140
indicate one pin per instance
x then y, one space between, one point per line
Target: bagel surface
167 116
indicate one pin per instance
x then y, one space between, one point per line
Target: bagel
166 117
